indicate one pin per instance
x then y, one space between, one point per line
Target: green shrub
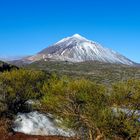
125 98
81 104
18 86
93 110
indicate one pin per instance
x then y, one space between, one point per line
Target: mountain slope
78 49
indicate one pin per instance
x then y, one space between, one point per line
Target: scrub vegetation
93 110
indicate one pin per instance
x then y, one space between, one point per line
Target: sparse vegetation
95 71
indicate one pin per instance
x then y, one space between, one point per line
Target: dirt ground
20 136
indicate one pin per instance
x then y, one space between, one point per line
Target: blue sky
27 26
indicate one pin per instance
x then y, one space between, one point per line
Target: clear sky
27 26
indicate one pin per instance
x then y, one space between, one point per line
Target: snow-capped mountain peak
77 36
78 49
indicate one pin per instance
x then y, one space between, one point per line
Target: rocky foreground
21 136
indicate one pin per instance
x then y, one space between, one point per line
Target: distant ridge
6 67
